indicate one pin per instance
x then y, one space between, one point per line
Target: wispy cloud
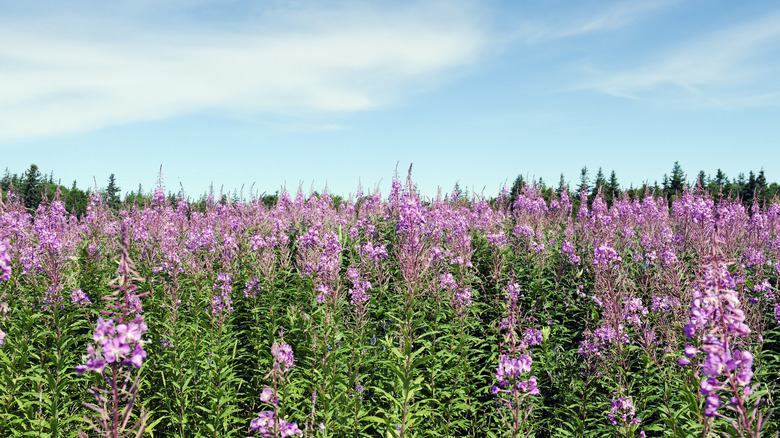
734 67
58 77
586 19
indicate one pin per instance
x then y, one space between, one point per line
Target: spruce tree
31 187
583 180
677 179
112 193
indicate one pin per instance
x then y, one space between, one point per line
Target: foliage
389 316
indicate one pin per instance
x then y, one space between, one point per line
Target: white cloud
63 75
735 67
583 19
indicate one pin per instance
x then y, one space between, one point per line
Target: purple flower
622 412
289 429
283 355
268 396
533 337
103 329
79 298
130 333
509 368
264 423
709 385
121 344
713 403
115 350
93 364
5 260
606 255
323 293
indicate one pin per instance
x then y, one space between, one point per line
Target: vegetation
390 316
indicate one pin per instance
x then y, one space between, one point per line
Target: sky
259 97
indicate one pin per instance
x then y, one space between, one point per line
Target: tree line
750 188
33 186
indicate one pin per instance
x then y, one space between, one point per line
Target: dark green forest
34 185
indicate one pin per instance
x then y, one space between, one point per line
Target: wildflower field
391 317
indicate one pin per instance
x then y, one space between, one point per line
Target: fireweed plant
523 315
118 351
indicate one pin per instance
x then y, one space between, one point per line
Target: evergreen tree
583 181
613 187
701 180
5 182
457 191
761 185
749 189
31 187
517 187
561 185
112 193
600 183
721 179
677 179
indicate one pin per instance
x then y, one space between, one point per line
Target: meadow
391 316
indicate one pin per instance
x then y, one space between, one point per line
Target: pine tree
701 180
677 179
5 183
112 193
583 180
720 178
749 189
31 187
761 185
600 183
517 187
561 185
613 188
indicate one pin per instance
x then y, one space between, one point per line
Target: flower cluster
508 373
120 344
532 337
720 361
5 260
622 412
601 338
371 252
568 249
319 252
716 306
358 293
266 422
324 292
5 274
222 303
633 310
80 298
462 300
252 287
716 315
283 355
606 255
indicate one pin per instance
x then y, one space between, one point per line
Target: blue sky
273 93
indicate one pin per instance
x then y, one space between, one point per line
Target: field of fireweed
391 317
